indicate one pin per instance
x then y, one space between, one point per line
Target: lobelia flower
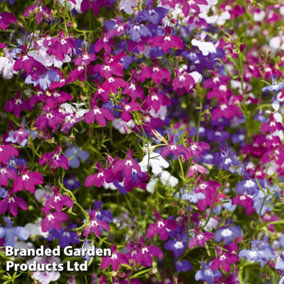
70 182
54 160
155 160
227 234
160 227
249 187
224 260
245 201
6 152
182 266
41 12
227 159
101 115
45 277
167 41
6 18
114 260
17 105
195 169
12 202
127 5
20 136
200 239
27 180
74 155
207 274
65 236
177 245
52 219
98 179
95 225
137 31
146 253
6 174
10 233
154 15
260 252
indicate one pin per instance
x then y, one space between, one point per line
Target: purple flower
200 239
247 186
70 182
176 245
154 16
137 31
11 233
228 234
65 236
127 5
182 265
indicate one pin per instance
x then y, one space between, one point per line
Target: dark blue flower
154 16
71 182
137 31
177 245
182 265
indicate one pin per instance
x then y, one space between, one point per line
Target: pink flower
57 201
97 179
160 227
52 219
6 19
27 180
167 41
101 115
94 225
195 169
114 260
6 152
200 239
12 202
224 260
54 160
6 174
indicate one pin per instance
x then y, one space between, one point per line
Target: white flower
7 67
123 126
204 47
155 161
35 228
168 179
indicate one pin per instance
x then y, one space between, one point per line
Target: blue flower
11 233
65 236
193 196
281 241
154 16
3 192
206 274
177 245
44 79
279 264
74 154
247 186
137 31
182 265
228 234
71 182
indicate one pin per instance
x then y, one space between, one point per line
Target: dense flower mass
153 128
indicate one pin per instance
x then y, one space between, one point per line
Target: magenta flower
146 253
104 43
12 202
17 105
29 64
224 260
27 180
167 41
6 19
200 239
57 201
52 219
54 160
97 179
160 227
101 115
114 260
94 225
6 174
41 12
127 108
6 152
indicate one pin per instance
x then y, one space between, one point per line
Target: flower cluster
151 127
